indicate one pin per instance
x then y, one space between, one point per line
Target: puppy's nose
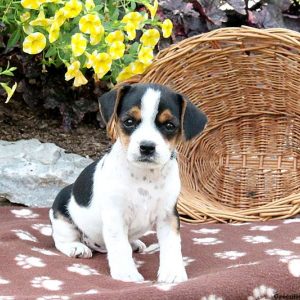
147 148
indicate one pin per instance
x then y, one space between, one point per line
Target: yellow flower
150 37
34 43
74 72
41 20
72 8
115 36
79 79
134 18
54 32
88 23
91 59
126 73
96 35
9 91
167 27
59 17
78 44
145 55
116 50
152 8
131 31
25 16
102 64
137 67
31 4
89 4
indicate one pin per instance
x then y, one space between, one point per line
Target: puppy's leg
67 237
171 268
119 251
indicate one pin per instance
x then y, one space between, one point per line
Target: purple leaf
238 5
269 16
211 9
282 4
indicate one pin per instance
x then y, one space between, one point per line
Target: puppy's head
150 120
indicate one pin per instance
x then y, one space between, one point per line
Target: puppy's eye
129 122
170 126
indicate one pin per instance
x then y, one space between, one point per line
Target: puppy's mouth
146 159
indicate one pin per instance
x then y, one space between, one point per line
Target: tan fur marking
165 116
135 112
124 138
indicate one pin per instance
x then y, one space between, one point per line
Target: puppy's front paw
75 249
172 274
138 246
128 276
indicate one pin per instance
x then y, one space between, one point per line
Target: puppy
134 187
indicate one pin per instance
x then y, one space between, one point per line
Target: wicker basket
246 164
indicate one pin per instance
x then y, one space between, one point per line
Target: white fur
129 200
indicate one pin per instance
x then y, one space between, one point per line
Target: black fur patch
177 216
83 186
61 202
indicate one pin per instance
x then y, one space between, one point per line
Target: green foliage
9 90
109 37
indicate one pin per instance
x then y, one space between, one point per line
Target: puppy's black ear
108 103
193 120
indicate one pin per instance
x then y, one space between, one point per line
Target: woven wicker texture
246 164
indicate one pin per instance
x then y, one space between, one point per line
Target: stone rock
32 173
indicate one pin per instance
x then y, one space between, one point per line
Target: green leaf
134 48
51 52
133 6
14 38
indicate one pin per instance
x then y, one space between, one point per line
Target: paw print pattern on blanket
187 260
25 235
44 229
232 255
28 262
47 283
53 297
258 239
82 270
279 252
89 292
44 251
211 297
289 221
151 249
294 267
207 230
207 241
264 228
262 292
296 240
4 281
24 213
165 286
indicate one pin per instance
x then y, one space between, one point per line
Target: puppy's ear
109 102
193 120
